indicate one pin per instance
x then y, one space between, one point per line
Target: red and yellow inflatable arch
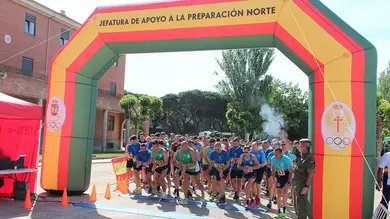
340 64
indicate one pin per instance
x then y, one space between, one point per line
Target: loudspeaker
20 162
20 190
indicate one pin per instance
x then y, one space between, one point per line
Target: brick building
30 36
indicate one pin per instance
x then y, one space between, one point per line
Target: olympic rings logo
338 141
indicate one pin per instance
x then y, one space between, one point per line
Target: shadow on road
47 206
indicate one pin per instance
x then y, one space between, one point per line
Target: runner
171 139
212 187
142 138
186 161
272 188
235 173
281 169
195 179
160 166
220 165
260 156
248 163
143 162
132 150
226 147
203 157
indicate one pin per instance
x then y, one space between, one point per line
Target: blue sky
174 72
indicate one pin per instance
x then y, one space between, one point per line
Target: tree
246 86
384 83
383 109
128 103
156 112
140 108
292 103
194 111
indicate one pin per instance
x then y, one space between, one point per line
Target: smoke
273 120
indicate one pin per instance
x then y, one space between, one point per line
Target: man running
220 164
282 172
248 163
260 156
235 173
132 150
186 161
143 162
142 139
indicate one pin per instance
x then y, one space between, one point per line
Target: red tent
19 135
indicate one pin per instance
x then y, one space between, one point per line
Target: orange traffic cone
64 199
92 198
27 200
108 192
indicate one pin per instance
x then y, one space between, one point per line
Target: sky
181 71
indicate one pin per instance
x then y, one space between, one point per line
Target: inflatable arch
340 65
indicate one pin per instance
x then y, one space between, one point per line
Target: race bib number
159 162
280 172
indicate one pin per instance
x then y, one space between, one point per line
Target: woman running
160 166
248 163
195 179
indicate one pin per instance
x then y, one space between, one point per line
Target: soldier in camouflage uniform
302 175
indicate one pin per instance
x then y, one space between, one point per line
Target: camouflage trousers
301 204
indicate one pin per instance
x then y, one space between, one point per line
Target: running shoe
184 201
236 198
250 204
247 204
280 214
163 196
213 196
269 205
257 200
284 210
222 199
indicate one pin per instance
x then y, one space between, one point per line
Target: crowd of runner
250 169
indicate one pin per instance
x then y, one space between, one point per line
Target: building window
112 89
111 123
64 37
27 66
30 22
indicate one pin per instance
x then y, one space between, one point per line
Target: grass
108 154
